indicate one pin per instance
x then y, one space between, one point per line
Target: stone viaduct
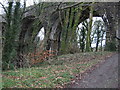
49 18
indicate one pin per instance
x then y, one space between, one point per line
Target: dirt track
104 76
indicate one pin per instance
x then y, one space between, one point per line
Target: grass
53 73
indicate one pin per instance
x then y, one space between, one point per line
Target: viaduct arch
50 20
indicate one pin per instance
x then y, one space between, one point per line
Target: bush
111 46
72 49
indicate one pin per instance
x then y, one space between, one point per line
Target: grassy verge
53 73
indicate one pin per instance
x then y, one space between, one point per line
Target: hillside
54 73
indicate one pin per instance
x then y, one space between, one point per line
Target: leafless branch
69 6
76 4
3 7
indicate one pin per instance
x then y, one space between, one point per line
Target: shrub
111 46
39 56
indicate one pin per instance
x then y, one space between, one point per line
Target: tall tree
82 35
88 39
7 42
99 32
11 34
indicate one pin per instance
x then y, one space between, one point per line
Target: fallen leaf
43 77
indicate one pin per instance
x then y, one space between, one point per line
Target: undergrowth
53 73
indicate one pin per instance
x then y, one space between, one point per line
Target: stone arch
101 9
28 34
108 11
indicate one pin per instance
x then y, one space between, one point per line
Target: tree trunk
88 41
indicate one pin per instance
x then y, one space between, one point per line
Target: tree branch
3 7
73 5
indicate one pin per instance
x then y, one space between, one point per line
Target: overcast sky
28 3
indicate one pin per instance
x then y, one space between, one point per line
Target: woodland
66 45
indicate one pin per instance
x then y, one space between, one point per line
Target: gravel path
104 76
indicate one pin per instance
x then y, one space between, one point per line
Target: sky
28 3
93 43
